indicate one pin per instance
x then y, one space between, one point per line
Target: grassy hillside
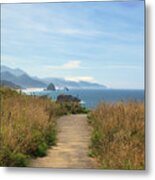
27 127
118 136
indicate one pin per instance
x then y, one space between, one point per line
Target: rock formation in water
51 87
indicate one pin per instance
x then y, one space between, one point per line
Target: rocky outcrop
66 89
51 87
67 98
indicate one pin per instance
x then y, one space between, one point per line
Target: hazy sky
97 41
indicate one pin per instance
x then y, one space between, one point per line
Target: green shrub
5 154
41 150
96 138
71 108
19 160
37 137
50 137
13 159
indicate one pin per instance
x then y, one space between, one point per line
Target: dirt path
72 145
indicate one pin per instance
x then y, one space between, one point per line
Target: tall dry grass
118 136
27 127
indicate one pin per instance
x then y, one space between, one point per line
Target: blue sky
98 41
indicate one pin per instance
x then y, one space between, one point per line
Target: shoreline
91 98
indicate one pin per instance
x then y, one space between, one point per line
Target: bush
50 136
10 158
19 159
71 108
41 150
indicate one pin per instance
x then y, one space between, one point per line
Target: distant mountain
28 82
9 84
91 85
23 80
62 83
16 72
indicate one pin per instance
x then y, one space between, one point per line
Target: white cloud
80 32
68 65
80 78
72 64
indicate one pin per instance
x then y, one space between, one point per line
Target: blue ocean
91 98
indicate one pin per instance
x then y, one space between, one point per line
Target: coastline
90 98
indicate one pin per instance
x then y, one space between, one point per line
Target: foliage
71 108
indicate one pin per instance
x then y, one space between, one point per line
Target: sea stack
51 87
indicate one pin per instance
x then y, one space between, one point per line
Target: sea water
92 97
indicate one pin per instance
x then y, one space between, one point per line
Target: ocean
91 98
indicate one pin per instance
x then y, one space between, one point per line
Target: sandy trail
71 150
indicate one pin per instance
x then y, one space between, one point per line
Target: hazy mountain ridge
21 78
16 72
61 83
9 84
